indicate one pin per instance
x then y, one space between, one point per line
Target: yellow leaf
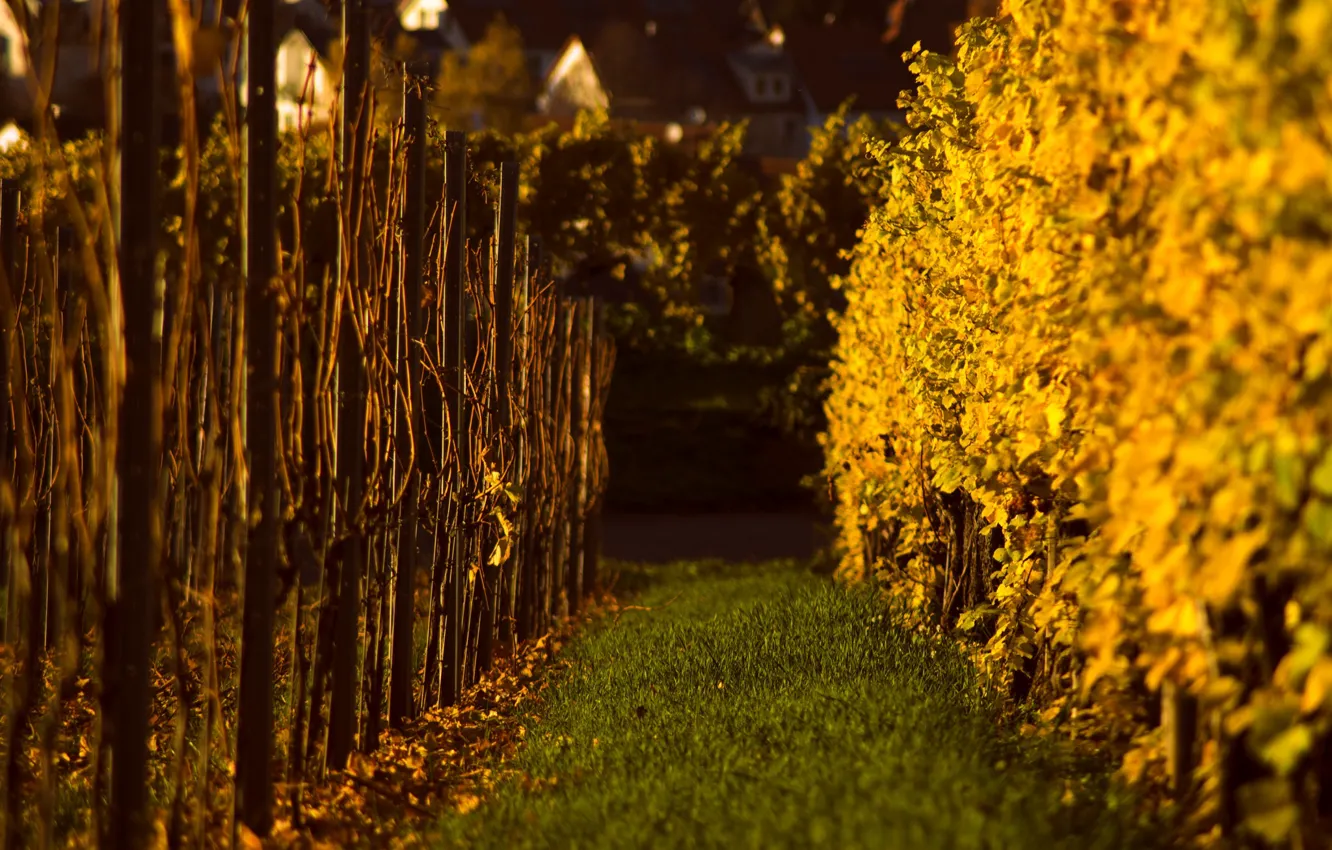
467 803
1224 571
1054 417
1268 809
1317 686
360 766
1286 750
248 840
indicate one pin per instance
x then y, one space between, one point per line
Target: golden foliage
492 84
1097 300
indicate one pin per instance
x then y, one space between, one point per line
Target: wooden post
139 452
71 331
455 322
594 474
549 581
525 627
560 451
579 396
485 597
506 228
353 141
440 490
254 752
1179 719
9 254
413 260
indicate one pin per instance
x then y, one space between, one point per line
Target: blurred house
78 88
14 98
305 76
307 33
769 81
680 64
675 67
75 88
699 62
422 14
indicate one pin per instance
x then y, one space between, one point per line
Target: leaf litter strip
451 757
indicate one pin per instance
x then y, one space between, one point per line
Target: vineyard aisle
734 705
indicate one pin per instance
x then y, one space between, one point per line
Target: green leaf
1268 810
1311 643
1285 750
1322 475
1288 472
1318 521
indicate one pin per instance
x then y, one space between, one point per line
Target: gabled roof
662 60
661 77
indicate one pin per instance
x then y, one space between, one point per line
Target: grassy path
760 707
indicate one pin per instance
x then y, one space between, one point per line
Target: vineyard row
259 508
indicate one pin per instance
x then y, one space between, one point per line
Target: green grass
765 708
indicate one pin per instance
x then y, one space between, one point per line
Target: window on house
779 86
429 19
761 86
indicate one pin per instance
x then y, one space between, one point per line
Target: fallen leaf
248 840
467 803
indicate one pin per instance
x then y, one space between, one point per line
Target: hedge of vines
601 190
1081 412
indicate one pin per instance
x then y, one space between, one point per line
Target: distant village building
680 70
305 87
698 63
423 14
677 66
14 99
